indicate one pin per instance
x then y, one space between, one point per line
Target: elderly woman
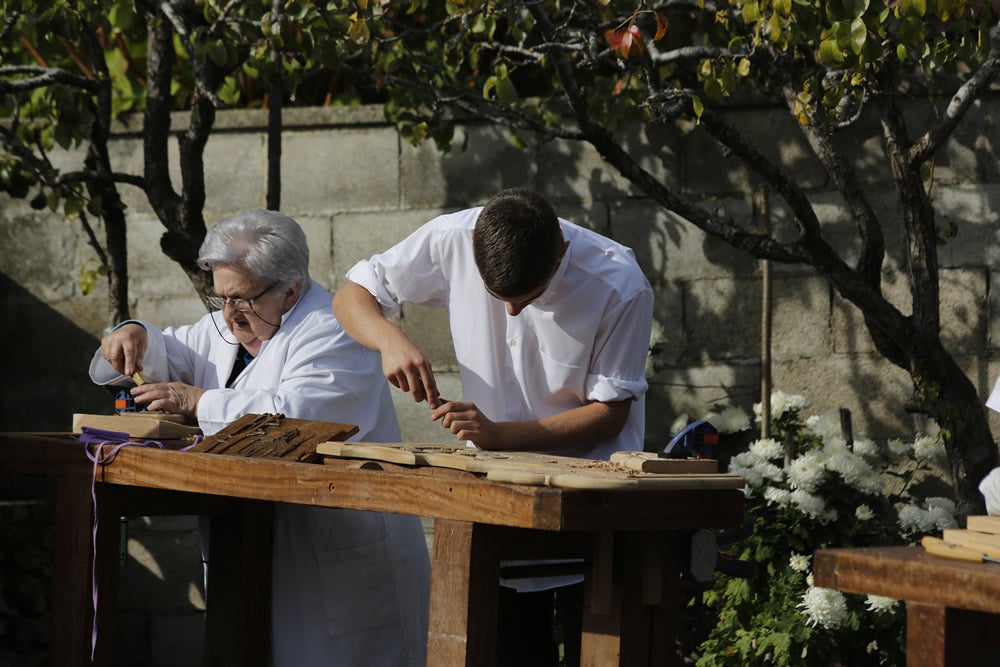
349 587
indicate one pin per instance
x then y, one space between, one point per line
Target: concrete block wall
357 188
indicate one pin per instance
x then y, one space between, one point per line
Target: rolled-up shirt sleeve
618 370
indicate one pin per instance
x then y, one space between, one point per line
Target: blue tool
696 440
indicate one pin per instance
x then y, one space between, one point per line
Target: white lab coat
348 587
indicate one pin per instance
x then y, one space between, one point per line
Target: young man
550 324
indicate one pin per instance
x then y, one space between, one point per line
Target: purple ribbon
100 438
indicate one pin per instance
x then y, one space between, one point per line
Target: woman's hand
172 397
125 347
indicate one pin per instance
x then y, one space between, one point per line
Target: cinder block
670 248
800 325
482 161
319 235
358 236
236 173
340 170
851 382
152 273
975 212
710 170
575 170
38 249
722 320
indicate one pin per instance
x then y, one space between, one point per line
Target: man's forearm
580 427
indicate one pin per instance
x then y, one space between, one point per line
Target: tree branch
43 76
961 102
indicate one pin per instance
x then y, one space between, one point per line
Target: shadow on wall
45 358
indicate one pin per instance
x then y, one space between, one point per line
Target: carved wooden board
530 468
274 436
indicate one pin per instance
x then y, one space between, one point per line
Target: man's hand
468 423
173 397
403 364
406 367
125 347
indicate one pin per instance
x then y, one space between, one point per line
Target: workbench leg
73 597
238 616
631 602
938 636
465 571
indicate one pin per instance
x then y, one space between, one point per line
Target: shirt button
513 342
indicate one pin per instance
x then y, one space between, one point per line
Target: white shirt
584 339
348 587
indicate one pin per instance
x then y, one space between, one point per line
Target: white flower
898 448
806 471
947 504
855 471
880 603
913 519
926 448
940 517
813 506
835 445
799 562
678 425
745 464
768 471
864 513
782 403
824 607
825 425
732 420
777 496
767 448
865 447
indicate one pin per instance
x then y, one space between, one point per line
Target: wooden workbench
952 606
632 587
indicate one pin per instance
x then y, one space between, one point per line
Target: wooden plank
984 524
419 491
540 469
137 425
908 573
651 462
981 543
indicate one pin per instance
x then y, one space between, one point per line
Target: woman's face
263 316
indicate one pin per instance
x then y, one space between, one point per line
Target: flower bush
807 489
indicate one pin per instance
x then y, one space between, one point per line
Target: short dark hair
517 242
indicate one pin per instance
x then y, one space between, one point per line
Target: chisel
935 546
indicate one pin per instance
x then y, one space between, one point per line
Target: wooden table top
385 487
908 573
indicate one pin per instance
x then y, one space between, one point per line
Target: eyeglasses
238 304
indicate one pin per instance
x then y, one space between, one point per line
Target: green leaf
912 8
699 106
859 35
911 33
830 53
